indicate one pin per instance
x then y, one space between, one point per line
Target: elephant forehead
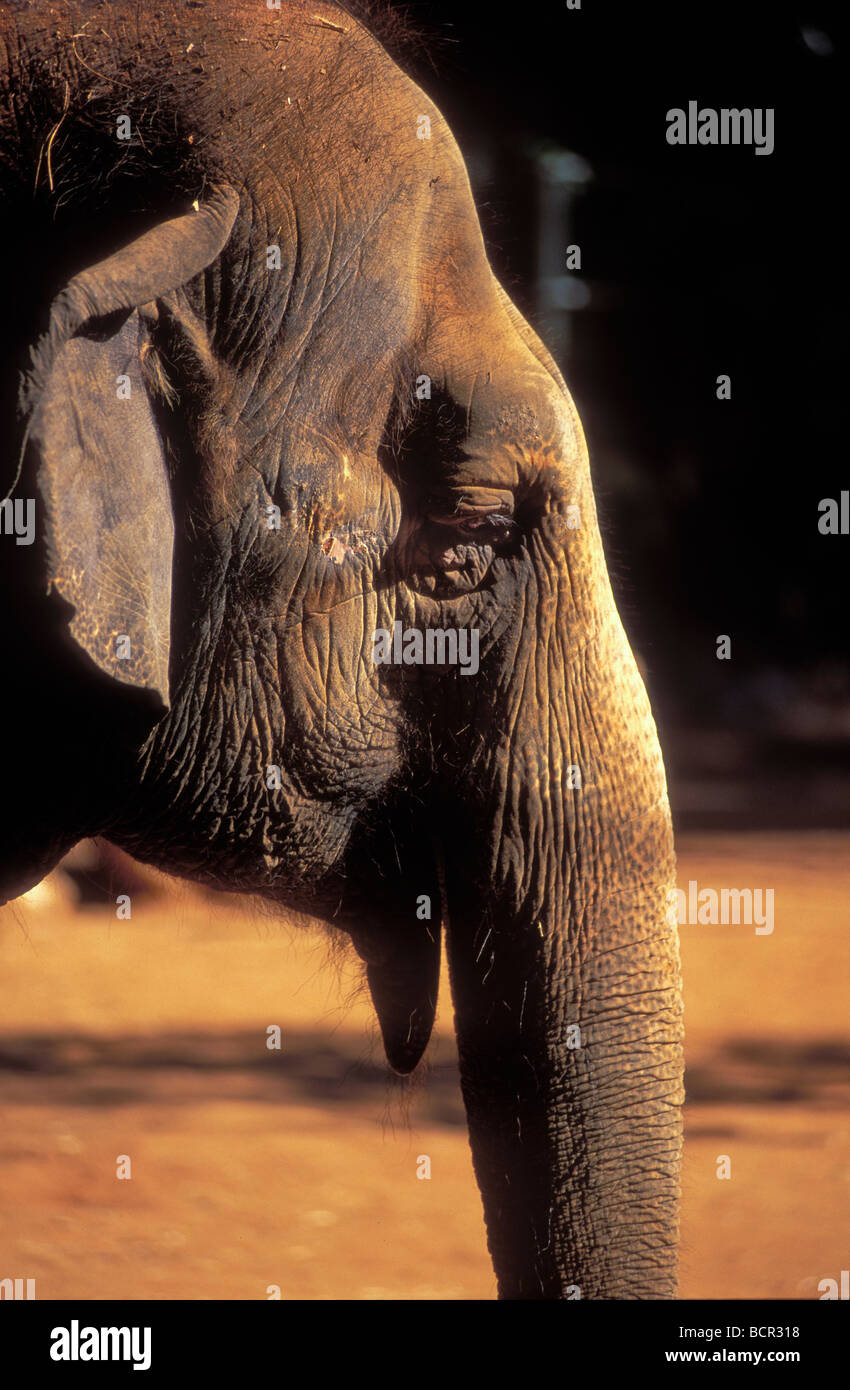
299 107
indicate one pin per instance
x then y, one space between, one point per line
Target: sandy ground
298 1168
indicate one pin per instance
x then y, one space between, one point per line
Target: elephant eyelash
496 521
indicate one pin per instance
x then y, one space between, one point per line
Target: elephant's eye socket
424 450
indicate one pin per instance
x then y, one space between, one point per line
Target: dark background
696 261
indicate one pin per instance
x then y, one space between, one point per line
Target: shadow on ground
192 1066
178 1067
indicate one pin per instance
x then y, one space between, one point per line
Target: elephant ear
99 458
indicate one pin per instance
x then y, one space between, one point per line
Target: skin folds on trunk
566 993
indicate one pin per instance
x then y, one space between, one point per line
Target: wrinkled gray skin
250 647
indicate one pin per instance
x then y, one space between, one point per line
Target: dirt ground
252 1167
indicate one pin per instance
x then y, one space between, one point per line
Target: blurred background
255 1168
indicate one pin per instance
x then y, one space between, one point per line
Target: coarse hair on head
393 25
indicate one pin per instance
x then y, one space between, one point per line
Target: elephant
295 458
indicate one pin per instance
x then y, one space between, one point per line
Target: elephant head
278 419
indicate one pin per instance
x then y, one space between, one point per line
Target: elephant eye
494 526
480 528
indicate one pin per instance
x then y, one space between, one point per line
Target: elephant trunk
565 975
571 1083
